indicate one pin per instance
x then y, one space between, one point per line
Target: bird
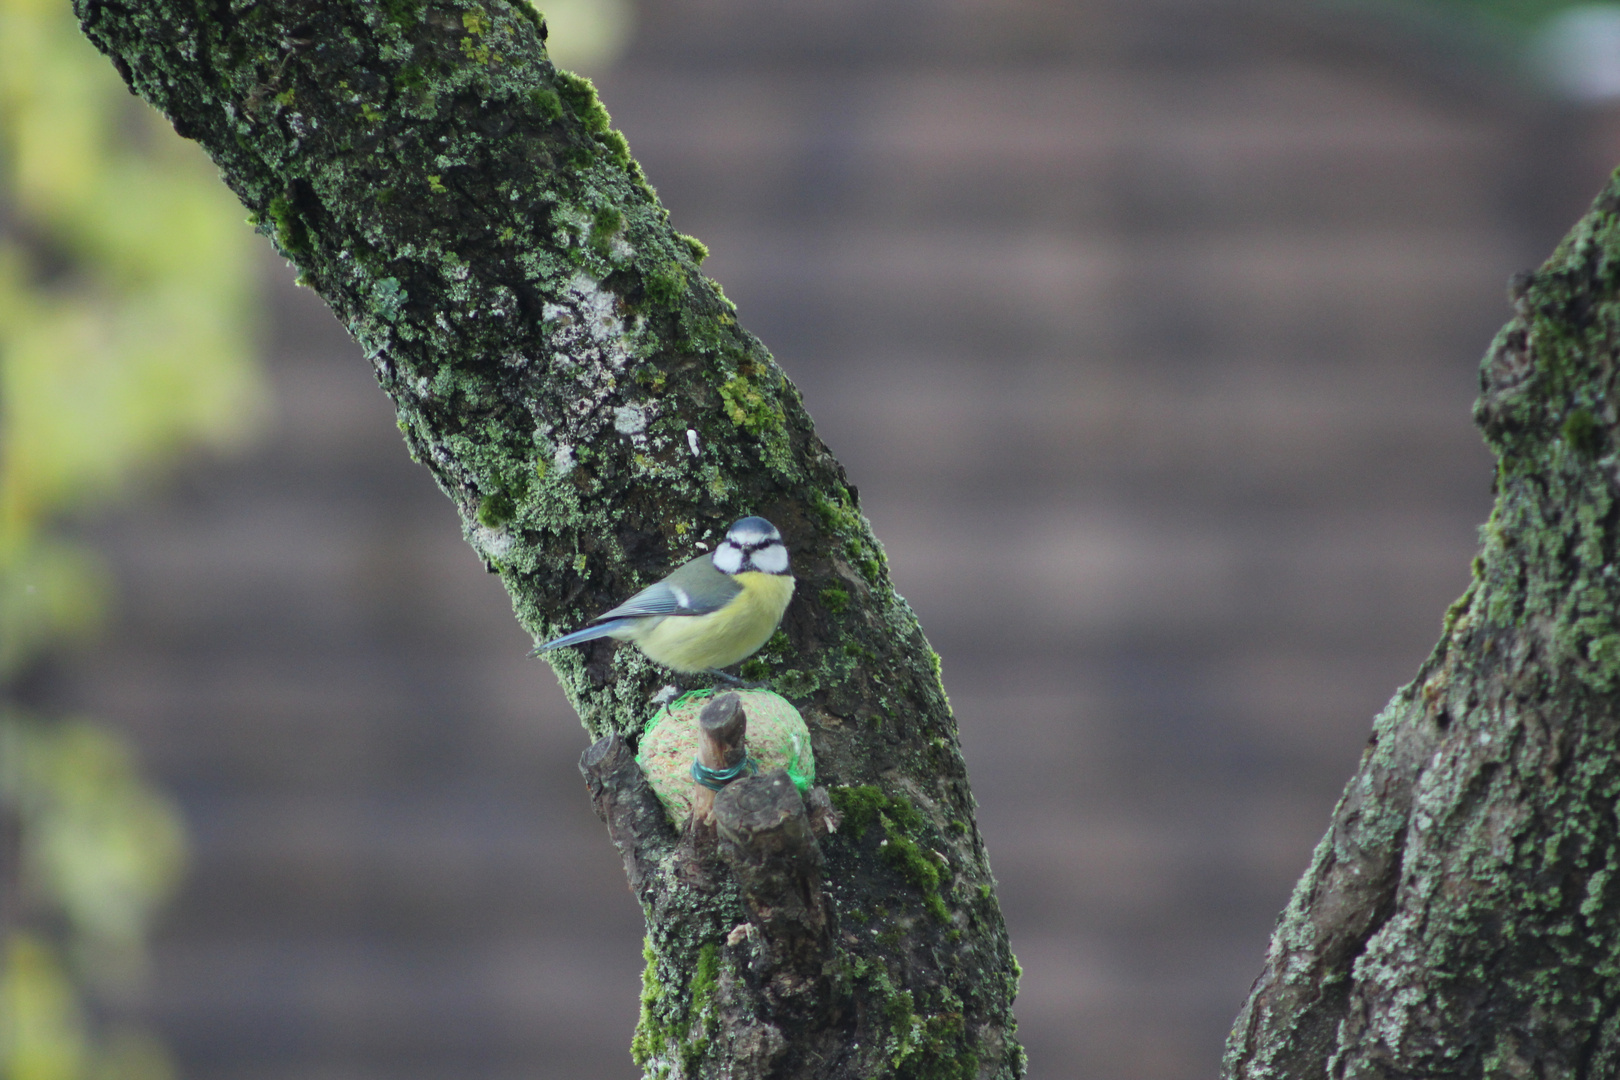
709 613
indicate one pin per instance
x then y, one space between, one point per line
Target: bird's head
751 544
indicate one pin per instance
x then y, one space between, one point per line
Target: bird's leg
742 684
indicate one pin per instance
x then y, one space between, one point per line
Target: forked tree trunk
588 401
1462 916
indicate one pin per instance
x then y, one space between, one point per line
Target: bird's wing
693 588
579 637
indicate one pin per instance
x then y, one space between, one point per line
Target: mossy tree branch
588 401
1462 915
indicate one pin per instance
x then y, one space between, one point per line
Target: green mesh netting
777 739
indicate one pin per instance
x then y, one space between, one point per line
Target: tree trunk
1462 915
589 403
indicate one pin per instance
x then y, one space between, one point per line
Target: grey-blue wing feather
693 588
590 633
656 599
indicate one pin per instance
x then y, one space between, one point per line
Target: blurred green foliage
1520 17
587 35
102 845
126 285
100 851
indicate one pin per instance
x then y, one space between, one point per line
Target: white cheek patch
771 560
728 558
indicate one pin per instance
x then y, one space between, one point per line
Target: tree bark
589 403
1462 915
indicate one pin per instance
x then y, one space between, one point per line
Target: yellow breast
725 637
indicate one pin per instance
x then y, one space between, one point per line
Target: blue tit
709 613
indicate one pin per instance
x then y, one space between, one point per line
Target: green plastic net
777 739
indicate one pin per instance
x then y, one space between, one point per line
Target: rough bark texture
587 400
766 839
1462 915
627 806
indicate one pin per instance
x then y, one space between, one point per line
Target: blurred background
1148 329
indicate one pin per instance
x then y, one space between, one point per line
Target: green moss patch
290 231
1582 432
903 830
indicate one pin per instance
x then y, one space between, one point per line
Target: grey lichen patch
389 298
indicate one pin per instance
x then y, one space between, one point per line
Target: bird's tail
590 633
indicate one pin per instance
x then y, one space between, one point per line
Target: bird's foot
741 684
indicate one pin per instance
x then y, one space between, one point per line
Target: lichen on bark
594 410
1462 915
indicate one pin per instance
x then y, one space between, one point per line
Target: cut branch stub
626 804
722 747
767 841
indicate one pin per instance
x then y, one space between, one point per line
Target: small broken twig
626 804
722 754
